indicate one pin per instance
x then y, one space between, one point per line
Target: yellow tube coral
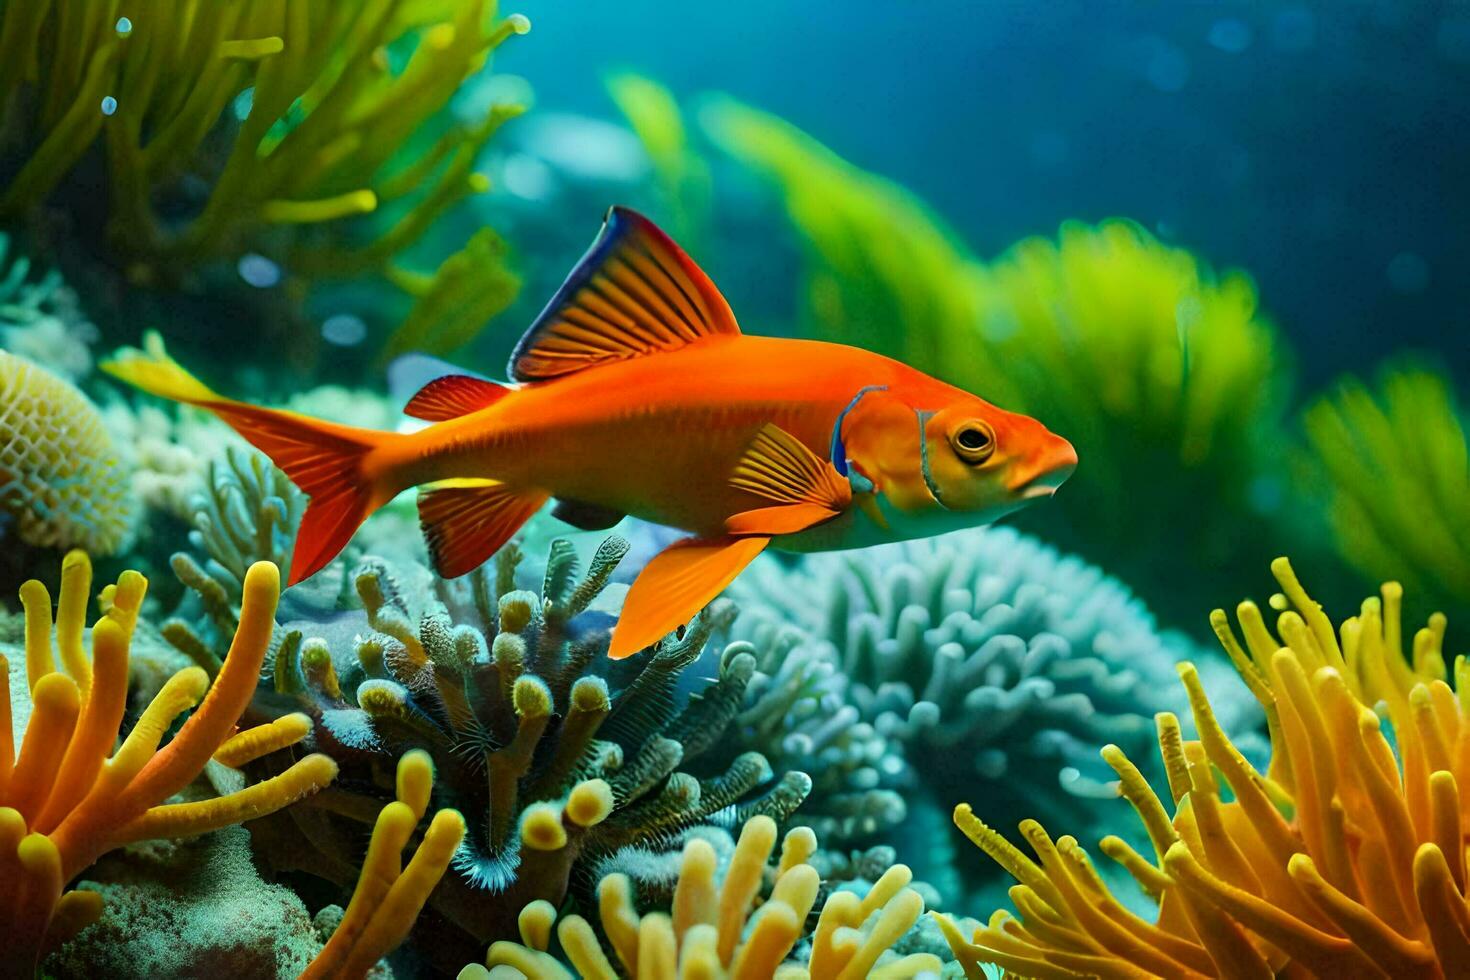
711 931
1345 859
389 896
67 797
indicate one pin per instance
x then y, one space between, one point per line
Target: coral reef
1394 461
1134 350
981 658
557 756
710 931
66 797
1346 858
188 908
40 319
295 118
61 482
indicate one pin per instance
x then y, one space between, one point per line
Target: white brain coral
62 484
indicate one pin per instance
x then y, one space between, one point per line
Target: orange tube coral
67 797
1346 859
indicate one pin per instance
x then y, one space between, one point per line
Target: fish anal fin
679 582
467 521
780 468
452 396
585 516
634 293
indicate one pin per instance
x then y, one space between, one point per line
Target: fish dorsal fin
635 292
453 395
804 488
467 521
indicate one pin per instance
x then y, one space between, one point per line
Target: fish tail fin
326 460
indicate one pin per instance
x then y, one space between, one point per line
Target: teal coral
61 480
981 658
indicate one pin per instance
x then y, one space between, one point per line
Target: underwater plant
559 758
295 118
1345 858
61 481
1163 375
67 797
1398 484
710 931
681 175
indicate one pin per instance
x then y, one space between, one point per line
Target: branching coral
1162 374
1395 461
556 763
61 483
1347 858
798 708
66 797
389 895
311 103
710 931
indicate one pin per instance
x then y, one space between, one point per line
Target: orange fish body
638 395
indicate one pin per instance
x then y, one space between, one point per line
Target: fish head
939 464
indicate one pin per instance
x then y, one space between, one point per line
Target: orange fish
636 393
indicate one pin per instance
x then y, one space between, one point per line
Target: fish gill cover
1161 232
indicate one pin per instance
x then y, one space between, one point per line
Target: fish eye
973 442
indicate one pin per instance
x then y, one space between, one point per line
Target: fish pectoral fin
781 519
634 293
454 395
585 516
779 467
679 582
467 521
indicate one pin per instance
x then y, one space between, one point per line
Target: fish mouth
1047 483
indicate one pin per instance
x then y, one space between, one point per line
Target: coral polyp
1345 858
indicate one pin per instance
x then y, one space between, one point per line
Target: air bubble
109 105
258 271
124 26
344 330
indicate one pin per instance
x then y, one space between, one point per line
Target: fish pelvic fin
679 582
467 521
326 460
